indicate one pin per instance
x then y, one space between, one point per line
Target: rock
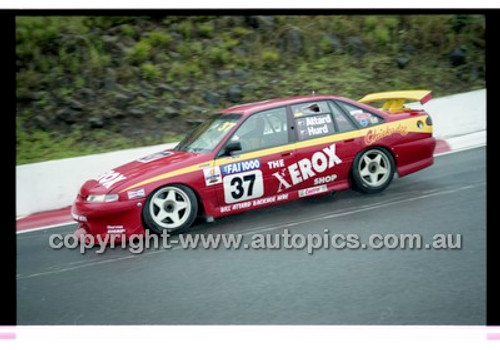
178 103
293 41
145 93
123 48
336 43
223 74
110 79
356 46
234 93
171 112
37 95
185 89
222 93
409 49
161 88
240 51
41 122
136 112
264 24
212 98
109 38
135 71
174 55
87 93
235 21
402 61
96 122
127 41
197 109
67 115
146 86
280 44
122 100
194 121
119 114
75 104
240 74
250 87
458 57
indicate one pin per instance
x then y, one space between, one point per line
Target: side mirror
231 146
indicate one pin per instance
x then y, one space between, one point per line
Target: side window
263 130
361 116
312 119
309 108
342 122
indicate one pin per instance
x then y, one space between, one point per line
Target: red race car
261 154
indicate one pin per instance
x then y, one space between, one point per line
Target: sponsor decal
233 168
109 178
212 176
240 187
155 156
115 229
138 193
225 126
275 164
307 168
325 179
374 135
312 191
254 203
363 122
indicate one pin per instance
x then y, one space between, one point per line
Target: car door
248 175
326 147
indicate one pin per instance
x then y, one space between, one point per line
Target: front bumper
116 219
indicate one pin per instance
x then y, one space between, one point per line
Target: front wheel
373 170
172 208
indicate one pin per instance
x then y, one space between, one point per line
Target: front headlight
99 198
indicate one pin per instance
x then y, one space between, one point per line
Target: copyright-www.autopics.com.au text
310 243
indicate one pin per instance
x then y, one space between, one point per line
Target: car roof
250 108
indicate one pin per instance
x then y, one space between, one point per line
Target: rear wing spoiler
395 100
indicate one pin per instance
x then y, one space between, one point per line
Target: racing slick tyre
373 170
171 208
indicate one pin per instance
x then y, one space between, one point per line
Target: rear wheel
373 170
172 208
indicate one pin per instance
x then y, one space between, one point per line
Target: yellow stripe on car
410 125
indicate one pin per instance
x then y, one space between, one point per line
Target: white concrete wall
54 184
458 114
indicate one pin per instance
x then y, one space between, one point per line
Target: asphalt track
341 287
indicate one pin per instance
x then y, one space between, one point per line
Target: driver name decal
307 168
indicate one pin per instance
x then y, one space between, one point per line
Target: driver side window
263 130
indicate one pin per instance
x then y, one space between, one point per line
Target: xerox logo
110 177
307 168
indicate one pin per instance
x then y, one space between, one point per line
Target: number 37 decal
243 186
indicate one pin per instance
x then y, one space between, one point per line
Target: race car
261 154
